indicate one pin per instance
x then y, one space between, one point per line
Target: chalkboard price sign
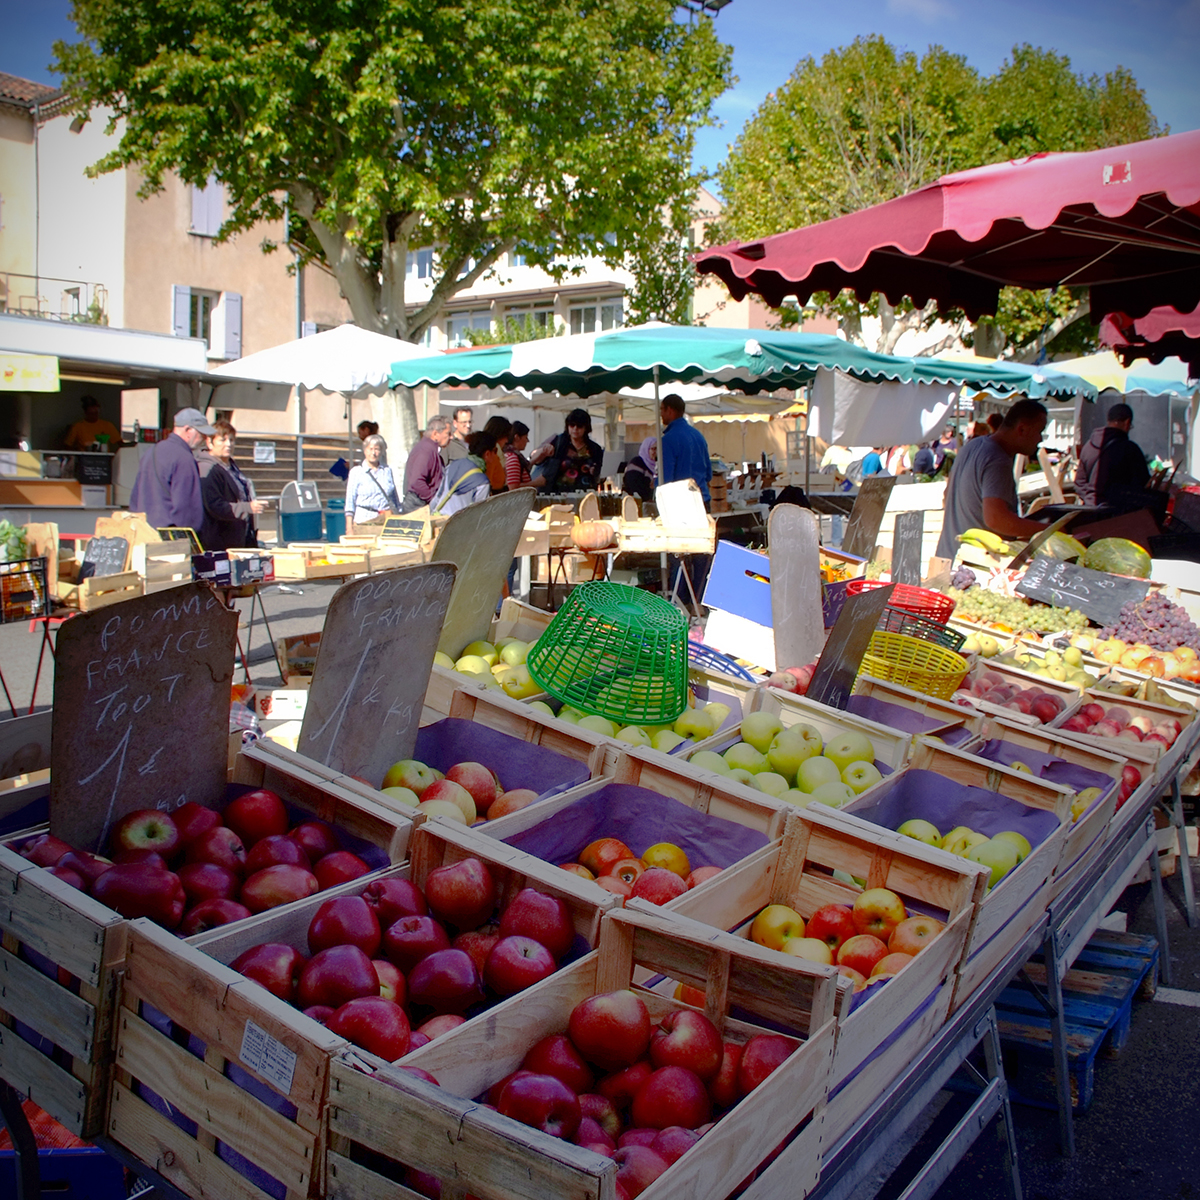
837 668
104 556
1096 594
408 529
141 711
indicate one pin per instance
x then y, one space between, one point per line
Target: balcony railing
53 299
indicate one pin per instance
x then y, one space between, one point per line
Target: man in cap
167 488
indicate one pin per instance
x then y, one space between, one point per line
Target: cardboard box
232 568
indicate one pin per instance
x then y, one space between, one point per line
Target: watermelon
1062 546
1118 556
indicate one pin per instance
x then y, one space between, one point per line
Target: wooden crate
398 1119
24 764
1066 692
949 715
883 1034
1009 911
648 535
99 591
69 1005
520 620
162 565
1086 836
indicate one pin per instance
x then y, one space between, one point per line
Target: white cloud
928 11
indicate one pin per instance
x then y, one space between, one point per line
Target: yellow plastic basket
914 663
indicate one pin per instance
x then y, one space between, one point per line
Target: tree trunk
989 340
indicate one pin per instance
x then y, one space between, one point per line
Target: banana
985 539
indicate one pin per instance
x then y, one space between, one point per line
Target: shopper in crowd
424 469
994 421
1112 467
872 463
460 426
641 472
570 461
465 481
684 450
500 428
924 461
167 488
366 429
516 465
371 490
229 503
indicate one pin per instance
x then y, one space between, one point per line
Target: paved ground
1133 1143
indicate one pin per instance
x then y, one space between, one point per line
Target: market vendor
83 433
982 492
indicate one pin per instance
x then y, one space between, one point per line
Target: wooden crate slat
55 1012
47 1084
218 1105
179 1159
797 1170
346 1180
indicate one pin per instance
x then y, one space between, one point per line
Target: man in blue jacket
684 450
167 488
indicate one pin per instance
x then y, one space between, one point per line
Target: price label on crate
141 711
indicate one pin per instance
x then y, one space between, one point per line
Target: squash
592 535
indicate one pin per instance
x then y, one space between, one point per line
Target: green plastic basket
615 651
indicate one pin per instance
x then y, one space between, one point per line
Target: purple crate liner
640 818
894 716
945 804
517 764
1047 766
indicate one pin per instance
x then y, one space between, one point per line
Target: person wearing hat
167 488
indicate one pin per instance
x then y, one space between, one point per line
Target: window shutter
226 341
181 311
208 208
308 328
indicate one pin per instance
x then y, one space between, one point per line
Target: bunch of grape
981 605
1157 623
963 578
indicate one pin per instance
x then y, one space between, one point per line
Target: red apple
511 801
687 1038
274 965
1045 708
785 681
445 981
543 1102
273 886
701 875
761 1055
209 914
610 883
861 952
145 829
344 920
68 876
320 1012
913 935
315 838
84 862
256 815
218 845
672 1096
208 881
1076 724
723 1087
674 1142
419 1039
638 1168
497 1089
143 856
379 1026
1108 729
454 793
339 867
611 1030
192 819
478 944
141 890
335 976
544 918
44 850
419 1072
391 981
516 963
630 870
638 1137
555 1055
621 1086
878 911
1092 712
601 1110
442 1023
407 941
832 924
480 783
276 849
601 854
590 1135
462 894
659 886
393 898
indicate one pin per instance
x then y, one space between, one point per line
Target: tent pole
658 460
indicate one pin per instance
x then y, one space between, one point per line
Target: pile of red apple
468 792
995 689
196 868
1115 722
392 967
659 875
793 679
617 1085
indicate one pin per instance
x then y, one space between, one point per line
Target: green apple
850 746
515 653
790 747
815 771
997 853
518 683
835 794
861 775
443 660
635 735
402 795
771 783
797 797
970 838
716 712
742 776
667 739
484 650
922 831
695 724
959 831
746 757
542 707
1024 849
473 664
597 724
710 760
759 729
571 715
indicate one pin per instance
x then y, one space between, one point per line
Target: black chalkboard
181 533
373 665
94 468
141 710
409 529
907 538
833 681
1096 594
862 529
104 556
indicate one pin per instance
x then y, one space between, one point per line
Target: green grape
1015 612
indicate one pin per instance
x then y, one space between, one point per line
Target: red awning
1124 222
1161 333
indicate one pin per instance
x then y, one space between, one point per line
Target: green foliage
664 277
13 544
511 330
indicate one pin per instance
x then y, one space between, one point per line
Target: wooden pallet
383 1121
1098 995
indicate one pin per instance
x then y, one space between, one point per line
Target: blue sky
1158 40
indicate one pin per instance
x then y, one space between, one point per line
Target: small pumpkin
592 535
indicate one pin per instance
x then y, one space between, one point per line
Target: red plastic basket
919 601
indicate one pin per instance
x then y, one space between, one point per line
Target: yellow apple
484 650
811 948
775 925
